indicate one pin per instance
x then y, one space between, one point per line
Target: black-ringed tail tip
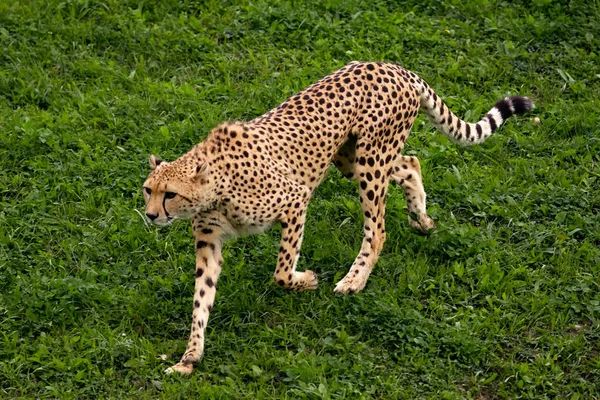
466 132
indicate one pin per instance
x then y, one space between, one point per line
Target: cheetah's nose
151 216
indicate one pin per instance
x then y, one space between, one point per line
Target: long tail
465 132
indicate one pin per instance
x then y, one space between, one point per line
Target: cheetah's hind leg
373 185
407 173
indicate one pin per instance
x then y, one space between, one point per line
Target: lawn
502 301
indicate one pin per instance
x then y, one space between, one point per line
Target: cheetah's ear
200 171
154 162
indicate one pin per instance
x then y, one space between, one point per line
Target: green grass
503 301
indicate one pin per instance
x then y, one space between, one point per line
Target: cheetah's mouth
163 221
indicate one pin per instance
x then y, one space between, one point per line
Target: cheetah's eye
170 195
148 191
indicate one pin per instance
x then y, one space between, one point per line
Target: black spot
199 272
370 195
207 231
196 304
209 282
202 293
201 244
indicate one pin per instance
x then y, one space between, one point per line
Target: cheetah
246 176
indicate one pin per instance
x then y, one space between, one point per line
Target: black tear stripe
503 105
164 207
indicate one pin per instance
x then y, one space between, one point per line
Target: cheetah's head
178 189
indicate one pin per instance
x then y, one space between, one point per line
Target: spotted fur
247 176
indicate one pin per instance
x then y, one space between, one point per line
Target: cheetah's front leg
292 232
208 238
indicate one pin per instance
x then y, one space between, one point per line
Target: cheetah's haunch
247 176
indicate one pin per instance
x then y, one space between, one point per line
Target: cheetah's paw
310 281
350 285
424 224
181 368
